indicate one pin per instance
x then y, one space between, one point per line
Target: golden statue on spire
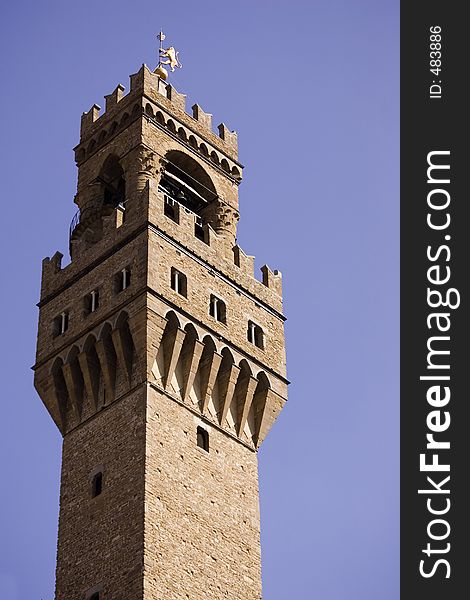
172 59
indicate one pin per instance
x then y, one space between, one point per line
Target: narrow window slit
203 438
97 485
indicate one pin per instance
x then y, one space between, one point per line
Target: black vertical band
435 301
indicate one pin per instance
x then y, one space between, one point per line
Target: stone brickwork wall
101 538
201 511
201 283
102 278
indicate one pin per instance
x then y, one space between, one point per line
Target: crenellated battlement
213 250
237 265
115 97
150 96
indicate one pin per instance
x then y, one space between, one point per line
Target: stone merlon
148 84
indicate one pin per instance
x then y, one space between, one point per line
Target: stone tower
160 358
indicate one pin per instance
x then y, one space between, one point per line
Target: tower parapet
145 85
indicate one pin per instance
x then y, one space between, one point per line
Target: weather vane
171 56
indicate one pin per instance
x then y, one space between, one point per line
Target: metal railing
91 208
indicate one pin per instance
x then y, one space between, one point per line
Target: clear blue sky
312 89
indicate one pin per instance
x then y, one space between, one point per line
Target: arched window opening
127 350
60 389
202 437
112 180
186 183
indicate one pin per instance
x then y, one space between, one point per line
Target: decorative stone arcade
160 358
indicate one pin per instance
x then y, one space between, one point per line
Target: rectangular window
199 230
61 323
97 484
64 322
217 309
178 282
255 335
92 301
202 437
123 279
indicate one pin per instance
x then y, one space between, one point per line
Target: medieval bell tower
160 358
